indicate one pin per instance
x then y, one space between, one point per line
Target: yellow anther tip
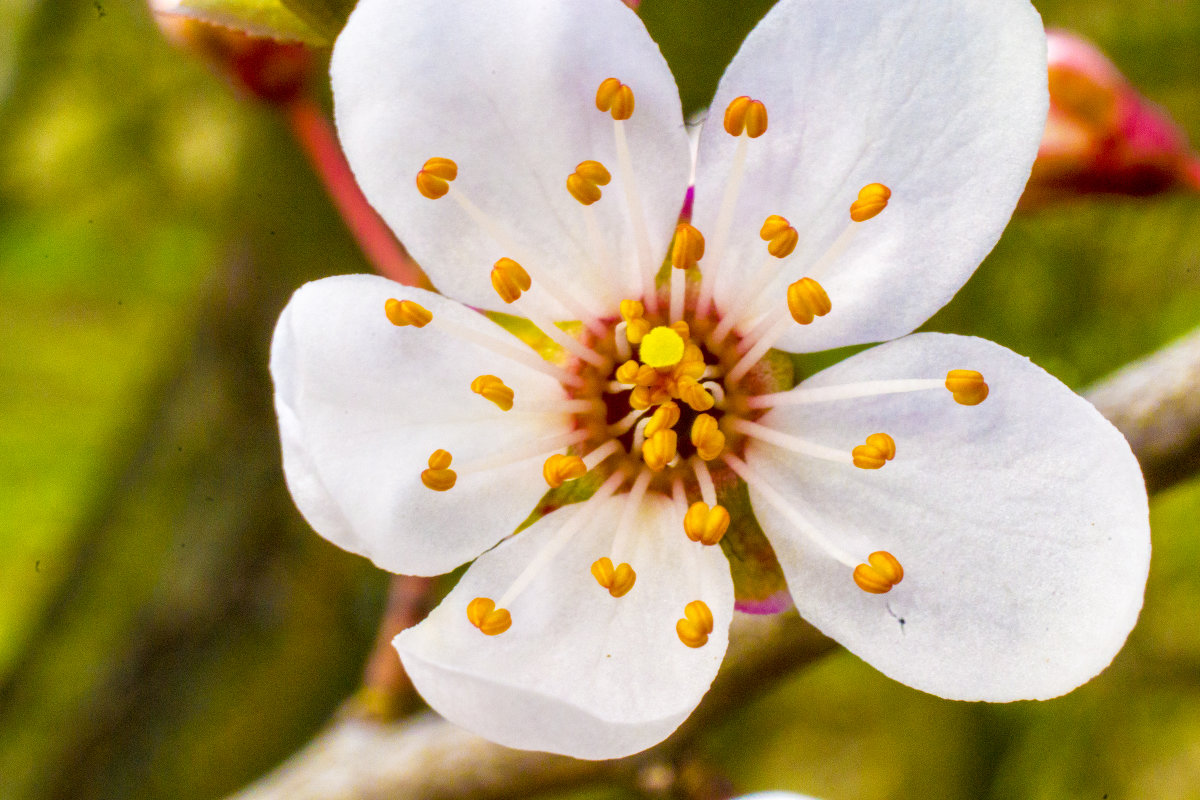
659 449
484 615
617 580
744 115
696 625
616 98
560 468
879 449
706 525
510 280
406 312
967 386
707 437
433 180
881 572
872 199
807 300
687 248
492 388
662 347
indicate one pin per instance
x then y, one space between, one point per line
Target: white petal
362 404
507 90
1021 524
579 672
942 102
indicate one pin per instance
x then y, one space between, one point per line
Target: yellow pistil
559 469
696 396
745 114
433 181
967 386
696 625
585 182
780 236
484 615
880 575
617 580
664 417
872 199
707 437
705 525
492 388
616 98
659 449
635 326
687 248
406 312
879 449
807 300
662 347
439 476
510 279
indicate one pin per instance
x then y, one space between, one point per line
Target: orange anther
510 279
659 449
433 180
872 199
696 396
406 312
664 418
696 625
618 580
616 98
559 469
745 115
807 300
879 449
492 388
879 575
780 236
707 437
439 476
585 182
484 615
705 525
967 386
687 248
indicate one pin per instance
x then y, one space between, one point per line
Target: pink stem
315 134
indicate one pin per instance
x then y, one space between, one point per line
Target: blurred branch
1155 402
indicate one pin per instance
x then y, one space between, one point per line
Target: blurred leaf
326 16
285 20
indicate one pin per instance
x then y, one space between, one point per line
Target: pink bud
1101 135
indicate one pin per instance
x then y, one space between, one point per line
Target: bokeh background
170 627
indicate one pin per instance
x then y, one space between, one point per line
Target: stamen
717 391
872 199
807 300
510 279
846 391
621 341
780 236
645 258
695 395
686 250
879 575
560 468
705 524
594 458
492 388
618 581
487 618
967 386
508 348
662 347
788 442
636 327
708 489
565 406
524 450
707 437
439 476
696 625
616 98
433 181
746 115
585 182
405 312
879 449
632 373
660 449
633 502
664 418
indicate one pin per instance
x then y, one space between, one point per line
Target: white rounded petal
579 672
507 89
362 404
1021 524
942 102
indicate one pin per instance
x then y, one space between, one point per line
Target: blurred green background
169 627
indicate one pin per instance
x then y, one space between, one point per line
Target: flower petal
362 404
507 90
942 102
579 672
1021 524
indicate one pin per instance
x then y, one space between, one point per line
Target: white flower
1020 523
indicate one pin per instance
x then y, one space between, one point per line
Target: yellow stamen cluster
439 476
618 580
879 575
433 181
746 115
585 182
872 199
687 247
510 279
559 469
492 388
807 300
696 625
967 386
706 525
780 236
707 437
406 312
616 98
879 449
484 615
635 325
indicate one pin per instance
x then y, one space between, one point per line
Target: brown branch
1154 402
